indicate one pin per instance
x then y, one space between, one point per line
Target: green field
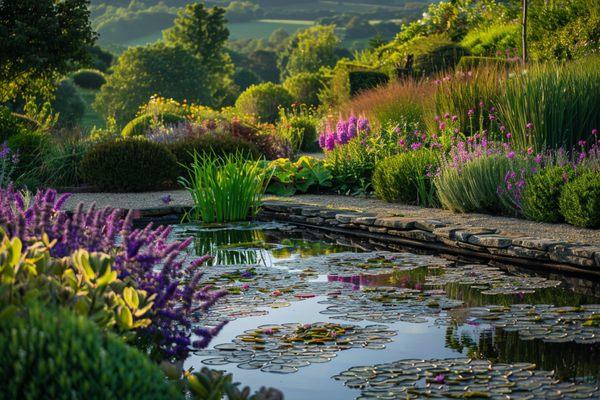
240 30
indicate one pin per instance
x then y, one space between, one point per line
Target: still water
306 307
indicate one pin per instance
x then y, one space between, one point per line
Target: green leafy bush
211 384
299 128
218 144
580 200
46 353
9 124
139 126
434 53
224 189
264 101
365 80
68 104
352 166
31 148
492 38
540 201
406 177
131 164
305 87
89 79
474 187
301 176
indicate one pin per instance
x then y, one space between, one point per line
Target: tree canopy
141 72
41 39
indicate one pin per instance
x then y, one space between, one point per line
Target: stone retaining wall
484 242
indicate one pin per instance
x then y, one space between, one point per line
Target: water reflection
251 249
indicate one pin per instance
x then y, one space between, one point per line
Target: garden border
483 243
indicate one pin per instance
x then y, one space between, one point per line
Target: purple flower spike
167 199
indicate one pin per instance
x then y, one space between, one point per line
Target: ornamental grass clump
224 189
147 257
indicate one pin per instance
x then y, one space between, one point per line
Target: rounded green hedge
305 87
542 193
264 101
130 165
395 179
580 200
219 145
48 354
89 79
139 126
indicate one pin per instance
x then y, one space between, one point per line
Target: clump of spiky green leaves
224 189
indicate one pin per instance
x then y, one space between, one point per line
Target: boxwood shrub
399 178
264 101
540 201
130 165
89 79
49 354
580 200
139 126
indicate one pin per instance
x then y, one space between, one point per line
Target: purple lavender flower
330 142
529 125
166 199
146 256
363 124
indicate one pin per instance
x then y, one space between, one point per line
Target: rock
416 234
535 243
376 229
345 218
329 213
492 240
448 232
464 234
395 223
364 220
315 220
429 224
310 211
521 252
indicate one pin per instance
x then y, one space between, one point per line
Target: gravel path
181 198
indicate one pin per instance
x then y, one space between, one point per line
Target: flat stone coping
485 236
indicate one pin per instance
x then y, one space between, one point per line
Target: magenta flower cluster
345 130
146 256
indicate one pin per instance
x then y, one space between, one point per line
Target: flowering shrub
8 160
542 192
353 149
137 253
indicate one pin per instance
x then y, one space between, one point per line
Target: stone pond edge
459 239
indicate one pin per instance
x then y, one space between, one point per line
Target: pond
324 317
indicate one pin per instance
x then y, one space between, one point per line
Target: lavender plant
146 256
8 160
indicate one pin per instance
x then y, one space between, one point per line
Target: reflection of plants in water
231 246
460 340
473 296
306 248
568 360
413 278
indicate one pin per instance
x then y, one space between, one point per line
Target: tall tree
203 32
41 39
309 50
140 72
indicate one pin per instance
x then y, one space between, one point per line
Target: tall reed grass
224 189
397 103
552 105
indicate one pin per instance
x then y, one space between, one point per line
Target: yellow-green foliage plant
86 283
224 189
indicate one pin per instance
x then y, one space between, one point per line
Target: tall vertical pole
524 32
